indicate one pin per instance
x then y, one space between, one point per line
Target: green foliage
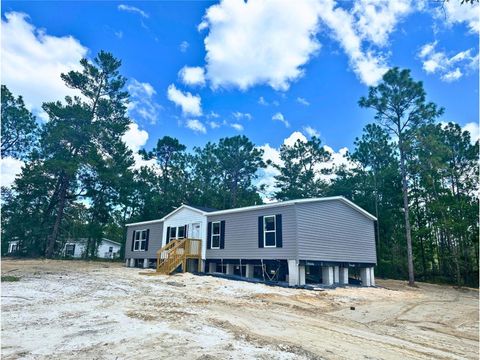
10 278
19 127
419 178
301 172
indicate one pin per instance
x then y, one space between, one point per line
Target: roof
263 206
80 240
203 208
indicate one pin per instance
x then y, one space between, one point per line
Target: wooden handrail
176 253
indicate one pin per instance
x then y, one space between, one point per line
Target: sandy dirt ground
80 310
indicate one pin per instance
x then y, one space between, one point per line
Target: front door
196 231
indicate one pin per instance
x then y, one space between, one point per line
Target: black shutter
260 231
185 235
209 235
133 239
146 241
222 234
167 240
278 230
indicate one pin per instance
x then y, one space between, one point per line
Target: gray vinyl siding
334 231
241 235
154 243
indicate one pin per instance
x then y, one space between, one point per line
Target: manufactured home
320 240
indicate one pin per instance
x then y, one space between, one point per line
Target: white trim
264 206
265 231
183 206
219 235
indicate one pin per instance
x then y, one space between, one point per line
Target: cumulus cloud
214 124
240 116
196 126
192 75
376 20
32 60
456 13
279 117
473 129
303 101
9 169
267 175
142 103
135 139
236 126
310 131
246 42
190 104
449 68
133 9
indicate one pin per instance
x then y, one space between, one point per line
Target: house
318 240
107 249
13 247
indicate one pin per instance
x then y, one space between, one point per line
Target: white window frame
265 231
140 240
212 235
170 238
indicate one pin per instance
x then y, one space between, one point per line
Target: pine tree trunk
52 239
408 231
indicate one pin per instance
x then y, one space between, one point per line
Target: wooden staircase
176 253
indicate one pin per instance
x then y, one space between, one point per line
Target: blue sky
264 69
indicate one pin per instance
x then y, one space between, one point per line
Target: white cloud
376 20
133 9
142 103
32 60
449 68
236 126
310 131
135 139
214 124
213 115
456 13
452 75
240 116
259 42
262 101
294 137
196 125
184 45
474 131
267 175
190 104
279 117
302 101
192 75
9 169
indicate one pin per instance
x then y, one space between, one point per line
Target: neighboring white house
107 249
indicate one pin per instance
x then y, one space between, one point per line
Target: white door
196 231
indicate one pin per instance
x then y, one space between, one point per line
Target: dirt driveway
75 309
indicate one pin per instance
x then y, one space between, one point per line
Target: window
110 249
70 250
13 247
215 235
269 231
176 232
140 240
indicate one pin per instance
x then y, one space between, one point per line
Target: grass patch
10 278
